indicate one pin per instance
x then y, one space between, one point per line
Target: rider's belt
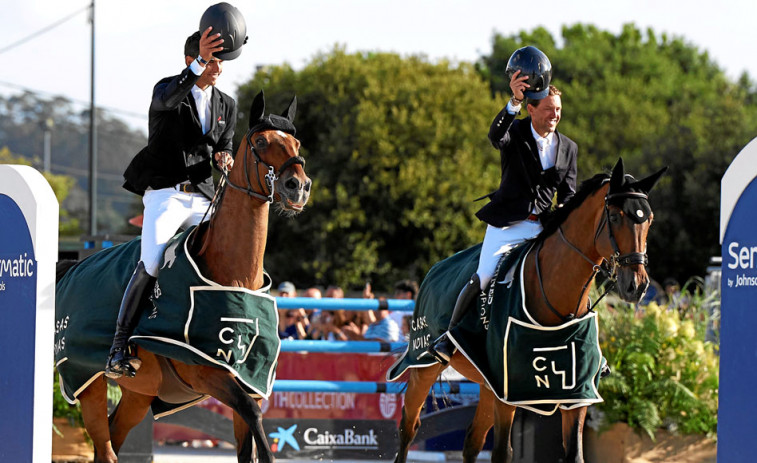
533 218
187 188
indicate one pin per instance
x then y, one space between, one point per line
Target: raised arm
498 135
168 94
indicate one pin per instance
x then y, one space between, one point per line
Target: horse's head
272 169
626 220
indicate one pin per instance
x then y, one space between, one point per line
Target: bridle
608 267
270 180
270 177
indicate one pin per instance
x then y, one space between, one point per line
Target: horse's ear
618 176
646 184
291 110
257 109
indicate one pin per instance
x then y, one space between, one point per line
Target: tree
21 130
654 101
397 150
61 185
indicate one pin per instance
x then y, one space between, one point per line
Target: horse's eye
261 142
614 217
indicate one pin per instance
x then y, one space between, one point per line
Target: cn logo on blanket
547 362
237 341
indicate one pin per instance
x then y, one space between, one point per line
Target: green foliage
61 185
23 120
62 409
654 101
397 150
663 371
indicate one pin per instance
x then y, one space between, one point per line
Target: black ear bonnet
260 122
630 195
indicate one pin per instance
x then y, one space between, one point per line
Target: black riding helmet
531 62
229 22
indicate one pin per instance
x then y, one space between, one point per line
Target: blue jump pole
366 387
341 347
397 305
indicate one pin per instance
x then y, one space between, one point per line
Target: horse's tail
62 267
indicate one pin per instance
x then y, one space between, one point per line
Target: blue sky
140 41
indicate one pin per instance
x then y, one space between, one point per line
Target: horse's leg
94 410
243 436
224 387
483 420
130 411
503 425
572 434
421 380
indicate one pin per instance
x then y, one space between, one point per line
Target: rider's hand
518 85
224 160
209 44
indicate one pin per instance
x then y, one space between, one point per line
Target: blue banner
18 307
738 351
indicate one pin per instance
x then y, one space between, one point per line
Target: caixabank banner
333 439
28 252
737 407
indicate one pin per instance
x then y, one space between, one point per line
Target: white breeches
166 211
498 241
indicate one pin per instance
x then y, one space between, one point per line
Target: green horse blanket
188 318
523 362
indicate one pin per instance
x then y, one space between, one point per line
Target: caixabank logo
331 438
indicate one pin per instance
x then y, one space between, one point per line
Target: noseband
270 177
609 268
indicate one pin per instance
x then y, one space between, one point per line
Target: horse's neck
564 272
236 241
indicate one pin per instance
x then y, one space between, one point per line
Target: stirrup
127 365
440 355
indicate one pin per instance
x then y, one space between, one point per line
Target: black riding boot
120 362
442 349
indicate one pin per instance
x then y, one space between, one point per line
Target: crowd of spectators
343 325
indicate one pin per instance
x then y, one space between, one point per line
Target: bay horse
604 226
229 250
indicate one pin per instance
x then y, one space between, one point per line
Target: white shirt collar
549 136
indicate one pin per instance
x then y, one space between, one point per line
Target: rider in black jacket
537 162
191 123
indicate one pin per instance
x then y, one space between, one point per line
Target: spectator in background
335 291
287 289
404 290
383 329
291 324
360 320
673 296
315 293
405 327
329 326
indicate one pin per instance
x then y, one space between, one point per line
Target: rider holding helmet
536 161
191 122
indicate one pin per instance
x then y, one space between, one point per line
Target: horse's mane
553 219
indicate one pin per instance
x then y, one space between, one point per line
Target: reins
608 267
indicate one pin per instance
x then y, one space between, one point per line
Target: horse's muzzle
632 284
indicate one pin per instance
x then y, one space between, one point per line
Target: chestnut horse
229 250
594 231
